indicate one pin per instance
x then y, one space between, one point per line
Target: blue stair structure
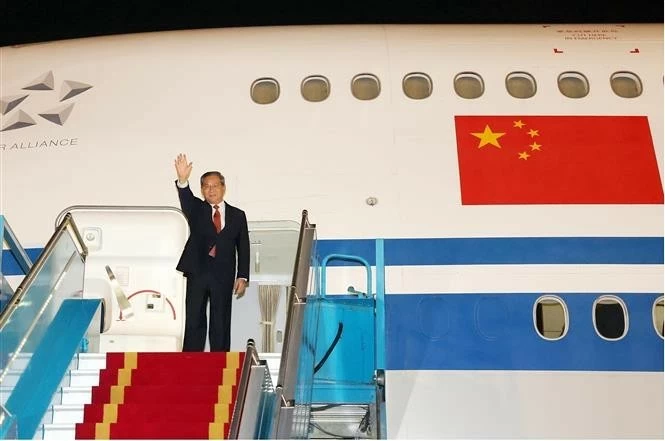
17 254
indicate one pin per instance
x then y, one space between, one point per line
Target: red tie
217 220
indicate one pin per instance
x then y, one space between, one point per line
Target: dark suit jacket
233 238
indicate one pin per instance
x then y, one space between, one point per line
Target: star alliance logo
18 118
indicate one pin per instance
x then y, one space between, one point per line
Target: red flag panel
557 160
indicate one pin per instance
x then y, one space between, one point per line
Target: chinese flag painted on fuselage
557 160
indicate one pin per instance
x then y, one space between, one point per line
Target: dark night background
29 21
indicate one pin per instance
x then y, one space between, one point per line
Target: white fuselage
156 95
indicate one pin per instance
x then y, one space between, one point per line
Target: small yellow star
519 124
488 137
535 146
524 155
533 133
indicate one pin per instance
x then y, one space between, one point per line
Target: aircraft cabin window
469 85
658 316
573 85
520 85
365 87
417 85
264 91
315 88
550 317
610 317
626 84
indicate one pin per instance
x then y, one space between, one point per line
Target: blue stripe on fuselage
476 251
497 332
504 250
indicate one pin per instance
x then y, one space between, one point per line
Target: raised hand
183 168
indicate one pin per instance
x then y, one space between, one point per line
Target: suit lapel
228 217
209 211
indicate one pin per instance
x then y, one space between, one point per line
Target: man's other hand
239 288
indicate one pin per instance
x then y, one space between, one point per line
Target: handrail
364 262
68 225
303 225
287 369
67 210
251 359
300 251
284 406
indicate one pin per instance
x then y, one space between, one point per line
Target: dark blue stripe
504 251
527 250
364 248
475 251
497 332
10 267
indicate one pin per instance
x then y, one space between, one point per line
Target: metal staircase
326 383
322 390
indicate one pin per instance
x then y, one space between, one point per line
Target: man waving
217 234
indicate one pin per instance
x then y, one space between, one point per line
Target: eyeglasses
211 186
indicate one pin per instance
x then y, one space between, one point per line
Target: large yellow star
488 137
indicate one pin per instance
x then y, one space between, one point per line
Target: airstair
327 381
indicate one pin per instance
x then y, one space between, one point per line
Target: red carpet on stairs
163 395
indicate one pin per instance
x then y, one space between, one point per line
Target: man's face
213 189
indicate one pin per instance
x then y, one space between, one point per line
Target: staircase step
151 430
158 393
176 360
76 377
66 413
58 432
165 375
74 395
137 413
81 361
91 360
84 377
64 395
21 362
12 377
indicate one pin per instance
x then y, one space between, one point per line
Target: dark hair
213 173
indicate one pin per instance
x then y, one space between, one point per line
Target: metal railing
251 359
285 390
66 226
254 399
286 412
